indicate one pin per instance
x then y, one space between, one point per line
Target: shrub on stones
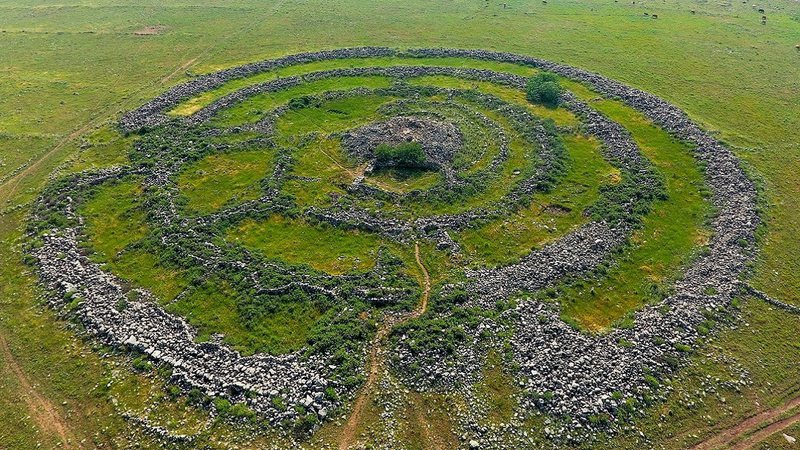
407 155
305 424
241 411
222 405
544 88
142 365
278 403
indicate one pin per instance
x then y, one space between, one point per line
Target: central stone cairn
440 141
570 375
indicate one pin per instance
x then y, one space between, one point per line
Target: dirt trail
376 360
726 438
426 288
10 186
766 432
42 411
180 68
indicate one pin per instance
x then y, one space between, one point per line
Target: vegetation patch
225 178
407 156
215 308
322 247
670 236
544 88
550 215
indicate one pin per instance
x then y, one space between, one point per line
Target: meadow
70 70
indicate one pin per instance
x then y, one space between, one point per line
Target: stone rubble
563 372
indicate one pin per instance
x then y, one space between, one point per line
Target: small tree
544 88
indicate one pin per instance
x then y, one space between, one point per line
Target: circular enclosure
283 218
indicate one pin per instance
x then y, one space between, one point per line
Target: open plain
466 224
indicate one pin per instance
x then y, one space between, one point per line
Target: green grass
113 222
142 269
331 116
113 218
672 232
104 147
498 388
561 116
730 73
254 108
323 161
141 394
399 180
322 247
213 308
549 216
428 424
225 178
194 104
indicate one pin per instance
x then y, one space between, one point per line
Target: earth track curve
727 438
348 435
43 412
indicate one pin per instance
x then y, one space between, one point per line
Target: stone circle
568 374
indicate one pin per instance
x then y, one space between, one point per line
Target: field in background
68 70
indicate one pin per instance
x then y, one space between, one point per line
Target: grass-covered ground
670 235
323 247
70 68
550 215
225 178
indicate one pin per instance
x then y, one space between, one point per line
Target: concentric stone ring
494 158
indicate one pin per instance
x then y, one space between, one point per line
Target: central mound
440 140
261 257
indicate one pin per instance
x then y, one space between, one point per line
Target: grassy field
226 178
253 109
213 308
323 247
671 234
69 69
114 221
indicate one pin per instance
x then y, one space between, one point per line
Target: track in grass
272 192
42 411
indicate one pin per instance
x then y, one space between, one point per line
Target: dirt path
726 438
180 68
426 288
10 186
42 411
376 360
765 433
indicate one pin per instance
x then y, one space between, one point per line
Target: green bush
544 88
222 405
241 411
278 403
652 381
408 155
142 365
